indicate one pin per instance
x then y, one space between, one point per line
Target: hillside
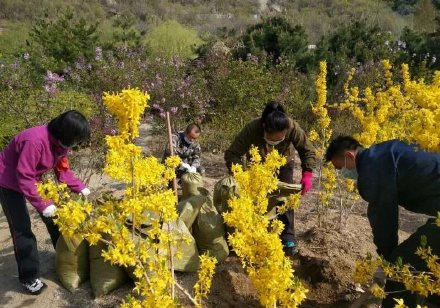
318 17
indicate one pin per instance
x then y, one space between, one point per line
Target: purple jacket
27 157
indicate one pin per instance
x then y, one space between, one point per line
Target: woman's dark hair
274 118
339 145
70 128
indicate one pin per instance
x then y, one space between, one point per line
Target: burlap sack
104 277
189 208
224 189
209 231
72 262
190 183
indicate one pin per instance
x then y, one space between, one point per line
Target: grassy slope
319 17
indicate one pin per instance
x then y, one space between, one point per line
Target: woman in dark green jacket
276 130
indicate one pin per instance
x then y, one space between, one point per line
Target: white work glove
85 192
49 211
185 166
192 169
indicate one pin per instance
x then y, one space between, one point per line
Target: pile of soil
325 264
327 260
231 287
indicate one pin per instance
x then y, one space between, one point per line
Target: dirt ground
325 261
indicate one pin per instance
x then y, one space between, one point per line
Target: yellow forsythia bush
409 111
147 199
256 239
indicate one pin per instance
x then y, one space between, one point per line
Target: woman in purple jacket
28 156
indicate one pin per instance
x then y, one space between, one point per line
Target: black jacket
394 173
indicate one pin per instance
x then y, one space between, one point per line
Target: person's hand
306 181
185 166
49 211
192 169
85 192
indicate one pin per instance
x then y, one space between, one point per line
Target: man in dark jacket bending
390 174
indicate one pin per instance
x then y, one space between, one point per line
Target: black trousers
288 218
25 243
406 250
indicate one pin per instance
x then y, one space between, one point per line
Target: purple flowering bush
174 85
179 88
216 91
28 99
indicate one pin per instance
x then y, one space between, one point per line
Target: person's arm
383 214
307 154
377 185
65 175
241 144
195 156
175 140
305 148
26 173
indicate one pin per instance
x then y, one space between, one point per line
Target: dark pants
25 244
406 250
288 218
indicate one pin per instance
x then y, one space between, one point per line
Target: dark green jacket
253 134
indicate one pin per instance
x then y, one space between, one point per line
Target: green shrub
275 37
25 108
171 39
239 90
62 40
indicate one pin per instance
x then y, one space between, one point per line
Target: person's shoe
290 248
35 286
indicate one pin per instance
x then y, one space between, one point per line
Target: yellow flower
292 203
365 270
120 224
205 275
377 291
172 161
400 303
256 239
255 155
313 135
321 135
128 106
52 191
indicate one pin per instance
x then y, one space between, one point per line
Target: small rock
358 288
350 297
